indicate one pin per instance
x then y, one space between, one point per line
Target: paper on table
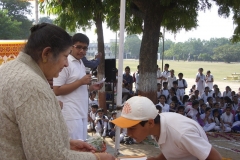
132 158
99 82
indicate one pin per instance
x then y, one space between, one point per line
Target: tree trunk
101 67
148 51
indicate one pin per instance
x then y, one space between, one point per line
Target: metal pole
36 11
163 36
116 47
120 71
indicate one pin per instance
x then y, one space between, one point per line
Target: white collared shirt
75 104
182 138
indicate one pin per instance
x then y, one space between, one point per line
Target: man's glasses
81 48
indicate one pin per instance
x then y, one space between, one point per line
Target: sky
210 25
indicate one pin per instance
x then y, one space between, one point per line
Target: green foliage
17 11
46 20
132 45
8 28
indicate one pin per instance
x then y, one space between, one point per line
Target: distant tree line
215 49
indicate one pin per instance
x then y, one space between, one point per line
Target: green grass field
219 70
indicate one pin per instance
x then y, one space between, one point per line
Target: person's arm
214 155
90 64
68 88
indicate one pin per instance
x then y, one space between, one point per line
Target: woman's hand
78 145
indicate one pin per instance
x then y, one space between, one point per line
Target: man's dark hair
180 74
127 67
167 65
79 37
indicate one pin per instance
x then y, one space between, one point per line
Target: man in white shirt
71 89
178 136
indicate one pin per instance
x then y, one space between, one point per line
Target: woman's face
54 66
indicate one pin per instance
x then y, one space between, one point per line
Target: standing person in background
209 80
136 79
165 73
72 88
32 125
200 81
159 74
171 78
182 84
128 79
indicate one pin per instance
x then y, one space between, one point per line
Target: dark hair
156 121
185 98
175 82
208 99
46 35
162 95
127 67
195 102
91 93
158 107
95 106
180 107
165 83
180 74
227 99
207 109
167 65
175 99
79 37
216 103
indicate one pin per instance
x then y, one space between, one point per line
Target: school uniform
182 138
101 125
165 107
227 118
200 84
209 84
207 126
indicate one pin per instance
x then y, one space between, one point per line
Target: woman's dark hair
156 121
46 35
79 37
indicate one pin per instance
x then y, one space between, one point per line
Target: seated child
101 123
111 126
216 120
193 113
227 120
172 107
163 104
208 124
236 124
91 117
180 110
